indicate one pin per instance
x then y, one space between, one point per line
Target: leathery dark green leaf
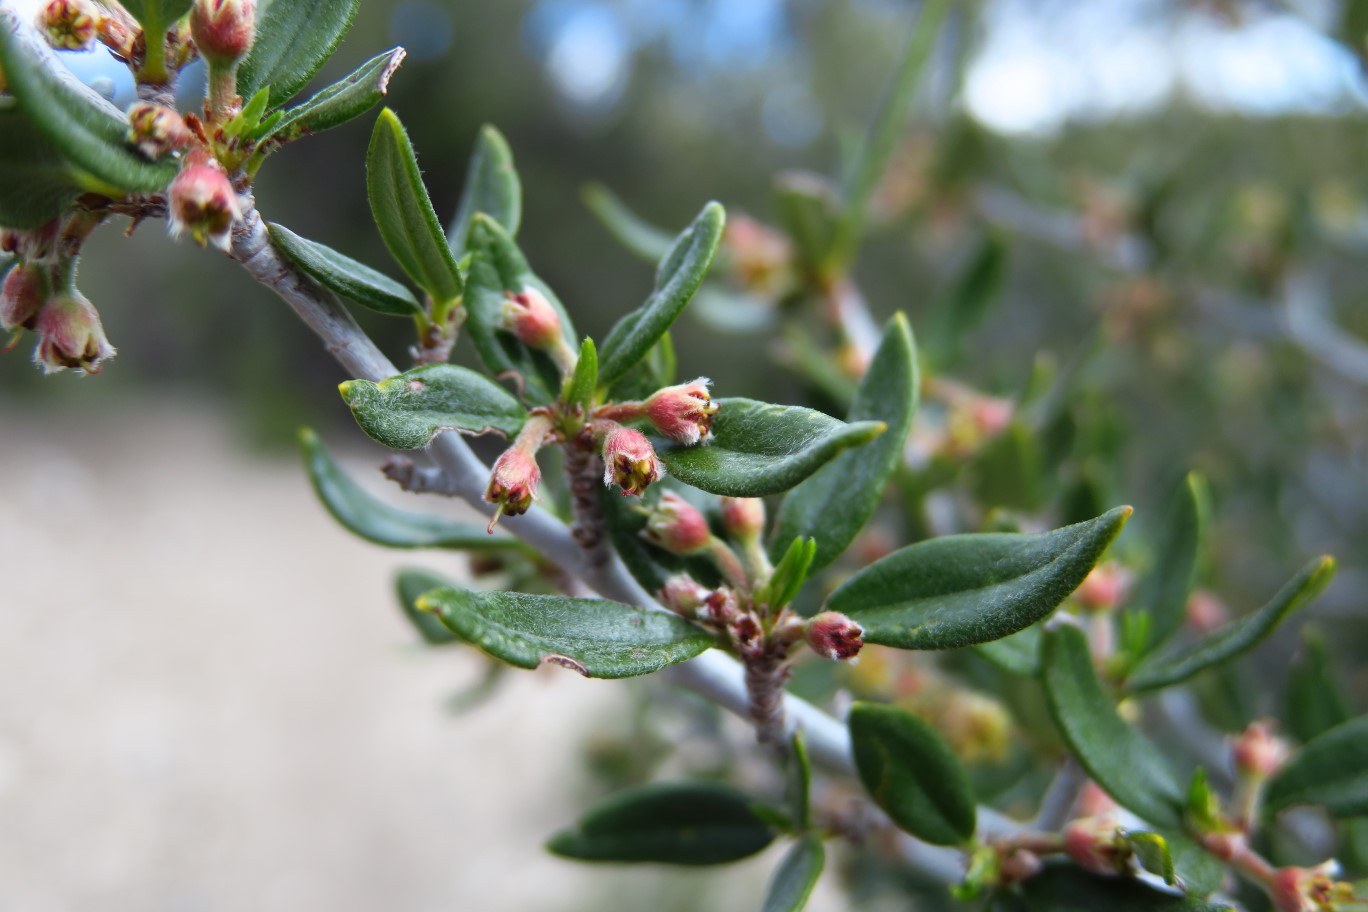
1163 593
580 386
410 585
157 15
1017 654
404 412
681 271
595 637
636 234
966 589
1330 771
89 131
1121 760
912 774
379 522
344 100
796 875
491 186
1064 887
834 504
294 38
1236 638
38 185
810 213
683 823
1315 700
759 449
340 273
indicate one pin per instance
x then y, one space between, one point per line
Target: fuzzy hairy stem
584 469
765 677
415 478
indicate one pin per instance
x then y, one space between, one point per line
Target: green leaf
37 185
1153 853
1234 639
798 782
1331 771
967 302
156 15
1164 591
650 566
344 100
656 370
759 449
294 38
345 276
789 574
678 276
912 774
597 638
404 412
834 504
498 268
1006 471
88 130
1018 654
409 586
378 522
966 589
1315 702
1063 887
1120 759
809 211
491 187
403 212
796 875
637 235
1199 873
581 385
685 823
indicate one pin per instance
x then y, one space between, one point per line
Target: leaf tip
425 605
308 437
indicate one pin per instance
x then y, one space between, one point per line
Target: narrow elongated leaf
650 566
809 211
966 303
681 271
759 449
597 638
1164 591
581 385
491 187
37 185
656 370
344 100
404 412
1124 762
798 782
966 589
349 278
156 15
1236 638
633 232
403 212
834 504
790 572
912 774
796 875
1063 887
1178 860
409 586
1331 771
381 523
1315 702
1017 654
294 38
498 269
684 823
88 130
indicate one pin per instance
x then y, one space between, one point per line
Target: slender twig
415 478
1061 796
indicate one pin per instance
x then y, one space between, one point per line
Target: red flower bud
156 129
683 595
1095 845
743 517
1205 612
530 316
677 526
1258 752
683 413
223 29
513 483
835 636
202 202
25 289
70 335
629 461
69 25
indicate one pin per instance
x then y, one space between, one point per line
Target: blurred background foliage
1172 191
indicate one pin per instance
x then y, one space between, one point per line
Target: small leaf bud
1258 753
1095 844
683 413
531 317
513 483
21 296
69 25
70 335
835 636
683 595
223 29
202 202
156 129
743 517
629 461
677 526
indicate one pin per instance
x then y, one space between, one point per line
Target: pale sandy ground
209 702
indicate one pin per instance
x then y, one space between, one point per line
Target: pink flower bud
1308 889
202 202
683 413
70 335
1258 752
223 29
513 482
992 416
677 526
629 461
683 595
1095 845
25 289
1093 801
156 129
530 316
835 636
69 25
1103 588
1205 612
743 517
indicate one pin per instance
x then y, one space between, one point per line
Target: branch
417 479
